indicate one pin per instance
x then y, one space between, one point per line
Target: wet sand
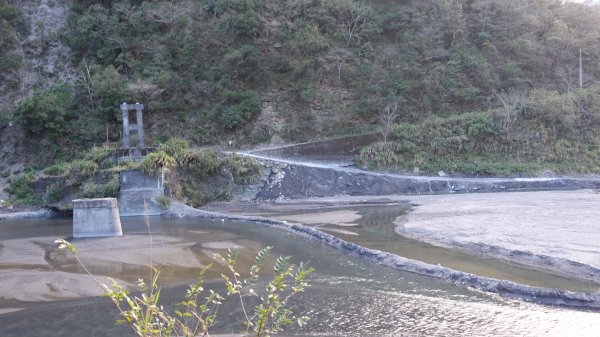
555 230
36 270
38 285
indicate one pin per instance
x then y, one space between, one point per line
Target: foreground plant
196 314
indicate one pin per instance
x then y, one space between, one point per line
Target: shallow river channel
347 297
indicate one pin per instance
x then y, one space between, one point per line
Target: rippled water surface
375 229
348 297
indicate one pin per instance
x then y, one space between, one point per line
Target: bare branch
387 117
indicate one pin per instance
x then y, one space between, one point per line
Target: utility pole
580 71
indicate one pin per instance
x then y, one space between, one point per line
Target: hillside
256 71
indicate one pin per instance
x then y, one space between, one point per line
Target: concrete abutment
96 218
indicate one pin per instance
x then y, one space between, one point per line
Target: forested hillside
502 73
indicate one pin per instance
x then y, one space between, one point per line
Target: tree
387 117
513 101
46 111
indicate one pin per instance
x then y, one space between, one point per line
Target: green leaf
281 265
262 255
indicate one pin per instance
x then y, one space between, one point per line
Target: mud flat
557 230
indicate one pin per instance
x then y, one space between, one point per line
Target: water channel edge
546 296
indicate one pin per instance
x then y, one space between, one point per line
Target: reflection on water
348 297
178 250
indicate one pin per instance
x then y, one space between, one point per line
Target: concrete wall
290 181
96 218
139 192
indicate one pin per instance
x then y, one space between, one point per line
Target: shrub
261 134
554 110
53 193
98 154
46 111
436 143
80 171
203 163
244 169
163 201
307 40
245 23
21 190
110 189
10 62
194 194
237 16
177 148
8 13
380 154
154 162
243 62
240 108
109 91
57 169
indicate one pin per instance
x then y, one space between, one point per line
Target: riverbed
43 288
551 236
348 296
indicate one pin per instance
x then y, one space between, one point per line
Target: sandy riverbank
556 230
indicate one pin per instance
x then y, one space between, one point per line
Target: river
347 297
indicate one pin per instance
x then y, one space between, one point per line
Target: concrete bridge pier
96 218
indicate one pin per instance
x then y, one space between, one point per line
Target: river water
347 297
374 229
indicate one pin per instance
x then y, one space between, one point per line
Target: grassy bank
529 134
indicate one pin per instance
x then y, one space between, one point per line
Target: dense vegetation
545 131
10 61
217 70
192 176
199 176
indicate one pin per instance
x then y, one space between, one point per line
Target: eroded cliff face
46 59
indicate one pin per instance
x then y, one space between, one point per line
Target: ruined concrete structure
96 218
137 128
139 192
